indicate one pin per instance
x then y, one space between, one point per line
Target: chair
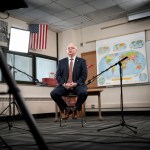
70 100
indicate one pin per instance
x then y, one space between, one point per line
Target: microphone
36 80
10 67
42 84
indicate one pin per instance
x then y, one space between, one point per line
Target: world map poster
110 51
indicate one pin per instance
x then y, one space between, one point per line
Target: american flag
38 36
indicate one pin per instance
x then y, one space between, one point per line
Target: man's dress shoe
74 114
65 115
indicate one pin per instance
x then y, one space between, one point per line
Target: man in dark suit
76 84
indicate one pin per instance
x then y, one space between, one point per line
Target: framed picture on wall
3 31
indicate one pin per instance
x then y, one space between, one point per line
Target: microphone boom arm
34 79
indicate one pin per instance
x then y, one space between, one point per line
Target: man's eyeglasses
71 48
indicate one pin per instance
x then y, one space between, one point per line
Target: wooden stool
71 99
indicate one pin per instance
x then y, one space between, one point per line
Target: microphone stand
122 123
95 77
34 79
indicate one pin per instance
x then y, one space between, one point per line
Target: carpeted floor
74 137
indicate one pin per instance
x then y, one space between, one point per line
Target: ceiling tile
22 17
100 14
88 0
50 19
63 23
120 1
38 2
83 9
120 15
52 8
101 4
70 3
102 20
36 13
66 15
132 6
83 25
79 20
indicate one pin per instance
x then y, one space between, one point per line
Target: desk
91 91
96 91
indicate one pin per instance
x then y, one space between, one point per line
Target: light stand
21 103
122 123
12 103
11 110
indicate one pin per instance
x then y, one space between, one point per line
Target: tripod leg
19 111
123 124
130 128
4 110
109 127
10 125
3 128
5 143
15 105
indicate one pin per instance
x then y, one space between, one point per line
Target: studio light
19 40
12 4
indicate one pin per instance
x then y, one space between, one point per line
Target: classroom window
45 67
20 66
29 68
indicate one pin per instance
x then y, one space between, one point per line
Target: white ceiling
62 15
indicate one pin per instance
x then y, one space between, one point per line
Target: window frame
33 56
44 57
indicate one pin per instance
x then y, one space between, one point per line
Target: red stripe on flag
45 37
41 36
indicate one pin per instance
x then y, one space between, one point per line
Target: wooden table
97 91
91 91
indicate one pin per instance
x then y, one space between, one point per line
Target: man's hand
70 85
